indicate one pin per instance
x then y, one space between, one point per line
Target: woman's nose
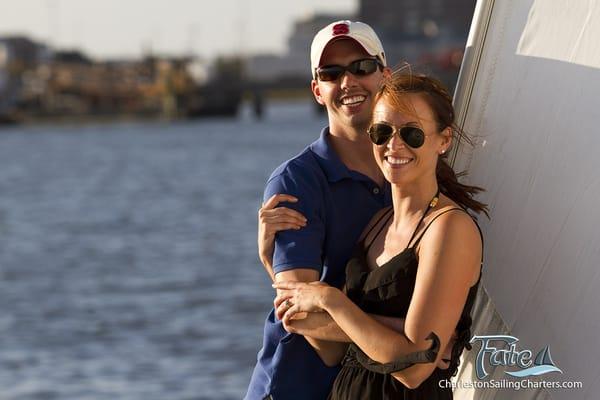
396 141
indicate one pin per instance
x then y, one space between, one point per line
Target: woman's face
400 163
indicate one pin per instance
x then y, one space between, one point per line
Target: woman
419 260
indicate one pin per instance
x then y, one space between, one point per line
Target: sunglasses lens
412 136
331 73
380 133
363 67
359 68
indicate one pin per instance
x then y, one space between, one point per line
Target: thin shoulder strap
389 213
382 216
418 225
416 243
431 204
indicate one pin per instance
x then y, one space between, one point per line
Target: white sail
529 90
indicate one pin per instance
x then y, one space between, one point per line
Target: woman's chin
397 180
396 176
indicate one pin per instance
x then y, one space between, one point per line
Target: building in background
18 55
293 68
36 81
410 28
428 34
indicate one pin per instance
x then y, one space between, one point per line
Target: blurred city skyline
158 60
130 29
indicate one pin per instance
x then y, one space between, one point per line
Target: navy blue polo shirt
338 203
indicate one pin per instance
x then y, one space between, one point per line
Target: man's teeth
398 161
353 100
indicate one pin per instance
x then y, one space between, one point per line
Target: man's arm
272 219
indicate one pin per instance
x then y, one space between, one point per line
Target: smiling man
339 188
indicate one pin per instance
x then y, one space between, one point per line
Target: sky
130 28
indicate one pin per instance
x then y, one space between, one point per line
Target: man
339 188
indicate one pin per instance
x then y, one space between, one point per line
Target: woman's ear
446 140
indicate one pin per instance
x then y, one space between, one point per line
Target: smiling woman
421 107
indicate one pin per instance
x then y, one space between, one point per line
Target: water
128 266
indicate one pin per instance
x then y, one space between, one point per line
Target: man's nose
348 80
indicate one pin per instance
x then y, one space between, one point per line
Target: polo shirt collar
328 159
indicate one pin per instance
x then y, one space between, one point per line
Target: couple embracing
369 238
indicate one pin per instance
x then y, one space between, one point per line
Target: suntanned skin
347 125
449 255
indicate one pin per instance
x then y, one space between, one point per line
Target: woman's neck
410 201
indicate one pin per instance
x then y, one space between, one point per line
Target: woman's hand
272 219
300 297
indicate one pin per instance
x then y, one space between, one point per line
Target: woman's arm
320 325
448 266
319 329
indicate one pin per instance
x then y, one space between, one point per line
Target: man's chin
359 121
361 108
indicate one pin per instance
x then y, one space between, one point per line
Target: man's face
349 99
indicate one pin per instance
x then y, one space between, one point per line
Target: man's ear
314 87
387 72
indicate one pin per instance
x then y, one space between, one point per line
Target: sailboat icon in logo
542 365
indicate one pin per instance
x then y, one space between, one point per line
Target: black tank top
387 290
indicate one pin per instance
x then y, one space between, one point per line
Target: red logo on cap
340 29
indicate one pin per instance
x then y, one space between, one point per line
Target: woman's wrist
331 299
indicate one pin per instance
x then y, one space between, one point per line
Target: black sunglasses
362 67
381 132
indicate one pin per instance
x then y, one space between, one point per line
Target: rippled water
128 265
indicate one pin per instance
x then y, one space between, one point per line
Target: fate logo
506 354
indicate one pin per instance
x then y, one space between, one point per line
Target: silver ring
288 303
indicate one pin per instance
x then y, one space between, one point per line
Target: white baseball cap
360 32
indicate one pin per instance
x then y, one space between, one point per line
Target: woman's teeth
398 160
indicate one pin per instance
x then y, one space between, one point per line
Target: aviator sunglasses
362 67
381 132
